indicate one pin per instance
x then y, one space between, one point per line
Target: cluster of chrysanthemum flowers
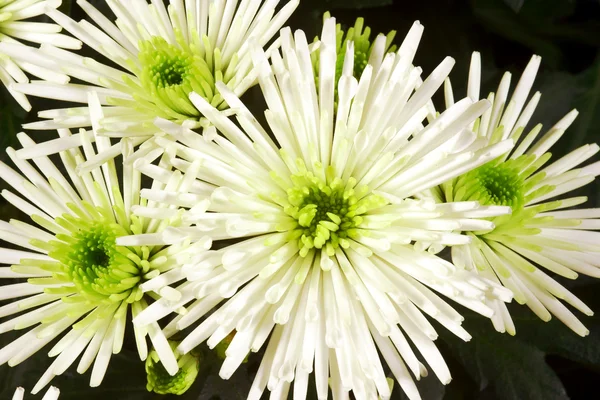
326 224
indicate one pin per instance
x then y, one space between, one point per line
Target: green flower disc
511 182
328 211
498 184
168 73
86 255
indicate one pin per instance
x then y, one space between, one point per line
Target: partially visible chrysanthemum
324 263
13 28
77 276
536 234
52 394
364 50
161 382
161 55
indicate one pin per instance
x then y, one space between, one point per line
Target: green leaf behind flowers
354 4
514 368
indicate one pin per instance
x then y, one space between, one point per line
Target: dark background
545 360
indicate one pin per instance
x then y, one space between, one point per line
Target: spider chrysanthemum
320 265
77 277
150 58
15 29
539 234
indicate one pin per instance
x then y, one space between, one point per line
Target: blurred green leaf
11 118
587 126
559 92
515 4
429 387
514 368
351 4
509 367
555 338
546 10
496 16
540 25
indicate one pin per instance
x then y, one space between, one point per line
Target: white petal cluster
14 30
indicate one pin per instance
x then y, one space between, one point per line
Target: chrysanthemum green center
498 184
167 74
89 258
95 248
169 70
361 59
328 212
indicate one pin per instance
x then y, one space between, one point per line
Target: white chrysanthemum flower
324 260
161 55
13 28
77 276
52 394
536 233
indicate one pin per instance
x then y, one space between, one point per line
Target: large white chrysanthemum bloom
538 233
323 260
77 277
52 394
159 55
14 28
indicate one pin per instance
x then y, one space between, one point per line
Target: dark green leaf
587 126
11 118
498 17
547 10
505 365
555 338
515 4
515 367
351 4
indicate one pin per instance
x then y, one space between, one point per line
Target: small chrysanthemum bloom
161 382
161 55
77 276
538 233
14 28
52 394
323 260
364 51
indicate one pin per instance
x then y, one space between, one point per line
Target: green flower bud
159 380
